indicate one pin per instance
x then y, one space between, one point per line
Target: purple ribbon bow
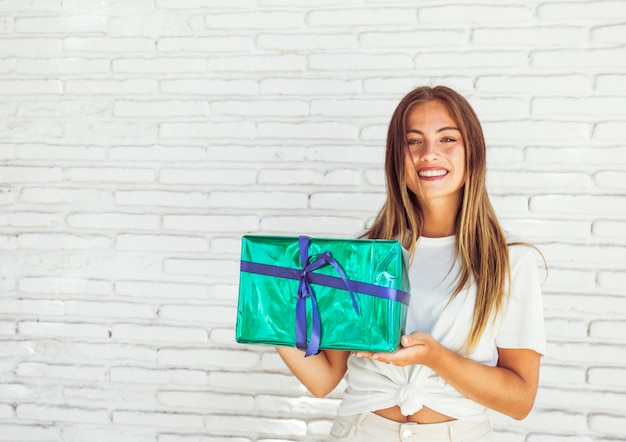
310 264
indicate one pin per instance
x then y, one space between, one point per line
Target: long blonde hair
480 246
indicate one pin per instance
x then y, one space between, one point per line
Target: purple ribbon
307 277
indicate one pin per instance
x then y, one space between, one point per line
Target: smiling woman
475 331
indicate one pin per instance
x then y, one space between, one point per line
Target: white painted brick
375 177
358 62
562 374
30 131
119 45
267 63
228 425
113 8
182 45
107 433
142 375
566 328
571 11
211 87
301 42
608 181
63 330
598 205
16 348
612 131
224 337
609 229
63 241
607 330
25 174
8 242
611 84
223 359
30 87
396 40
314 130
110 352
548 229
31 46
79 24
31 219
152 25
197 438
211 223
160 243
109 174
62 109
52 195
160 198
362 17
357 108
470 59
34 307
108 132
507 181
558 421
65 66
8 328
289 108
535 130
109 309
601 107
28 432
578 58
170 108
611 424
499 107
211 315
158 65
594 157
531 36
148 418
607 376
258 200
208 130
256 20
579 399
114 221
306 86
6 412
57 371
346 154
157 333
475 14
347 202
160 289
575 281
296 225
222 176
111 87
535 84
340 177
7 25
609 34
227 246
202 400
592 353
224 291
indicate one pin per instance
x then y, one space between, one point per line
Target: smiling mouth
432 173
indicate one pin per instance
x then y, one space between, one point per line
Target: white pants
371 427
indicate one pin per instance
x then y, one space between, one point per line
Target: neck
439 221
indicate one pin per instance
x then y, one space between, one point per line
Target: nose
429 151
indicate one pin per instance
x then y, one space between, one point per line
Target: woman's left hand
417 348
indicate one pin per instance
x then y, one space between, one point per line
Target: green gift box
315 293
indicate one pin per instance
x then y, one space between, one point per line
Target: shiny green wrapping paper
266 311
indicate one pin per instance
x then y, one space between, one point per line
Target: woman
475 331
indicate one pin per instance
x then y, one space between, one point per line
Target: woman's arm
319 373
509 388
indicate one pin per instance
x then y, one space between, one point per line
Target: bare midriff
423 416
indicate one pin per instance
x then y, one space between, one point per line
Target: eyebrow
438 130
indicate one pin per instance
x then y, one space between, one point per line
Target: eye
448 140
413 142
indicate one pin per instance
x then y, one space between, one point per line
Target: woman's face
434 157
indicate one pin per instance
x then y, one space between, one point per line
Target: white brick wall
139 139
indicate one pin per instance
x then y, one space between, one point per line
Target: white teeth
432 173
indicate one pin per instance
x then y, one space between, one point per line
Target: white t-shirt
374 385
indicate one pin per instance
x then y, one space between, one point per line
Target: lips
432 173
